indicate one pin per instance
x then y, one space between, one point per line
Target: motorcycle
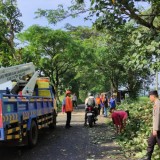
91 116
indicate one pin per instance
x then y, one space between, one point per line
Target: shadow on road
76 143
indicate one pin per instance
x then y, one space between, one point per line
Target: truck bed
17 112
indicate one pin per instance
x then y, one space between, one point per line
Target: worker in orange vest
68 107
98 102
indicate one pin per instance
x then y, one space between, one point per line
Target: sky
29 7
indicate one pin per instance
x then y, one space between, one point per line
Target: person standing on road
112 102
68 108
74 100
105 104
98 102
102 105
155 135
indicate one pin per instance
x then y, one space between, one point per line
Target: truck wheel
90 121
33 134
54 122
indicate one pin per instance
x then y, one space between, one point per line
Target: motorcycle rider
90 102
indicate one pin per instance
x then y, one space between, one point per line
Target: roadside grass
138 129
143 99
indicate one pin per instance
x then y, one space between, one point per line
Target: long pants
99 109
68 119
102 109
151 143
74 103
105 111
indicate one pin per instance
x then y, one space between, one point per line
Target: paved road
76 143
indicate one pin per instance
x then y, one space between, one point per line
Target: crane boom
16 72
29 88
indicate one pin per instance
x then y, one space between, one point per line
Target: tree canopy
121 48
9 26
114 14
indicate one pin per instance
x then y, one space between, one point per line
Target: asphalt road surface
76 143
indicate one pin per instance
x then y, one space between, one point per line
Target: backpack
91 102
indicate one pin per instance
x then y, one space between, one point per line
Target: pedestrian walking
68 108
155 134
74 100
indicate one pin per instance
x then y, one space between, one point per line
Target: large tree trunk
57 84
114 83
133 85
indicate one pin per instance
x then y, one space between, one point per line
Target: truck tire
54 122
90 121
33 134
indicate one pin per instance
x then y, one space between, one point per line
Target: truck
25 108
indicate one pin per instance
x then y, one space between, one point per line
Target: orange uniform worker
68 107
98 102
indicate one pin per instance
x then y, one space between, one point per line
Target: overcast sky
28 7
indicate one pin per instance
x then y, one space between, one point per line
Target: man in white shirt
90 102
74 100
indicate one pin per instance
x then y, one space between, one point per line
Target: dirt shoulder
102 140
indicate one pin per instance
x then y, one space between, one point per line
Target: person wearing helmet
90 101
68 107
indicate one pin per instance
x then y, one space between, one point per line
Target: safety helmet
90 94
68 92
